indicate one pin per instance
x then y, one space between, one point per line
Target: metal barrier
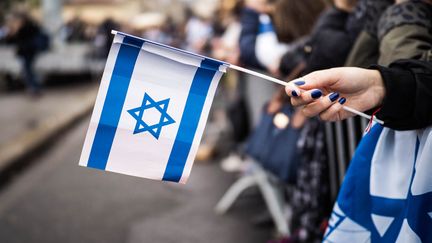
341 139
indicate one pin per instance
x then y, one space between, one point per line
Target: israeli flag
151 110
387 192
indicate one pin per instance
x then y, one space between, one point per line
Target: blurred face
347 5
15 23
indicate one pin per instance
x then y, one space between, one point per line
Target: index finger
320 79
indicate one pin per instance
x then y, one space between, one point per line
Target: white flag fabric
151 110
386 195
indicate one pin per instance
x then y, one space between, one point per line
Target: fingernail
316 94
342 100
333 96
294 93
299 83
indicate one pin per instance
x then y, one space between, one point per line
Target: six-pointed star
148 103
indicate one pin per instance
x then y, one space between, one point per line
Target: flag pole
278 81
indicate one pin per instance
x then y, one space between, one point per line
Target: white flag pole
278 81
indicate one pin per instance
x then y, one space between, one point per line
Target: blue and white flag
386 195
151 110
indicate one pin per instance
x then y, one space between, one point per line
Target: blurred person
311 190
198 31
74 30
157 34
294 21
365 49
166 33
174 30
104 38
401 96
257 35
225 47
327 45
333 36
407 45
393 31
267 38
398 94
162 33
30 40
268 49
249 21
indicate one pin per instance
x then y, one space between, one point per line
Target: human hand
273 68
324 92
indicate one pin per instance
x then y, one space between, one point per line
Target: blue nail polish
333 96
316 94
294 93
342 100
299 83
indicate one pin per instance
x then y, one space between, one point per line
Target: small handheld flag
151 110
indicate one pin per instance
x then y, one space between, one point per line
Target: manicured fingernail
294 93
342 100
333 96
299 83
316 94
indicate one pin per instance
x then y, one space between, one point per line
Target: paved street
55 200
20 113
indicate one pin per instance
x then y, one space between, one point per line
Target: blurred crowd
289 39
286 39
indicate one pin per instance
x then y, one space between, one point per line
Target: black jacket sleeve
330 41
408 101
249 21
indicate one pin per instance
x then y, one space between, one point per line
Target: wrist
377 87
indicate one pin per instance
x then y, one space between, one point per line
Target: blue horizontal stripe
113 103
190 120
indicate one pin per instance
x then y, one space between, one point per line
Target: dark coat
393 32
329 43
408 101
331 40
249 21
25 40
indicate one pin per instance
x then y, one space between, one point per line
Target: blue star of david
417 215
148 103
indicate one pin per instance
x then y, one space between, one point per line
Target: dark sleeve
408 101
332 18
250 23
330 42
291 59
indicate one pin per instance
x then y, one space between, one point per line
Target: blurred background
264 172
52 55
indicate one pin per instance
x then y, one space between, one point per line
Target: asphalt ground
55 200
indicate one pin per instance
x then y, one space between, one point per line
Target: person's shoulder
416 13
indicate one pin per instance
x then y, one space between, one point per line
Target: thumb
319 80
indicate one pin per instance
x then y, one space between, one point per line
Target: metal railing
341 139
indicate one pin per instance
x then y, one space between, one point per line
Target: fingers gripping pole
278 81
